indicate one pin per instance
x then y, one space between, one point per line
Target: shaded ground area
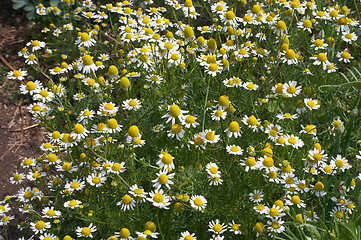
20 137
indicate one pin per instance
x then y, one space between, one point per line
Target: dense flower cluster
201 120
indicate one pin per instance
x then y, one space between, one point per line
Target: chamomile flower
309 129
217 227
344 56
86 115
96 179
210 136
233 130
159 199
84 40
138 192
212 170
321 59
127 203
131 104
219 114
252 122
36 45
340 163
234 150
349 37
275 226
86 64
176 131
49 212
290 89
198 202
318 189
16 178
117 167
283 116
187 236
79 132
75 185
249 163
256 196
213 69
289 56
250 86
107 109
174 112
86 232
311 104
295 200
233 82
163 179
215 180
39 227
166 161
293 141
17 75
318 44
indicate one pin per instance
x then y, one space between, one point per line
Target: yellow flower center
85 231
250 161
78 128
198 202
87 60
133 131
74 185
176 129
213 67
174 111
322 57
112 123
158 198
116 167
290 54
233 126
319 186
273 212
127 199
292 140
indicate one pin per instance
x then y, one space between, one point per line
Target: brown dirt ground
16 140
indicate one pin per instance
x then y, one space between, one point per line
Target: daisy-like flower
252 122
147 233
212 170
113 126
72 204
234 150
233 82
198 141
117 168
96 179
275 226
318 189
344 56
75 185
340 163
234 227
275 212
163 179
176 131
250 86
86 64
17 75
39 227
166 161
339 213
219 114
138 192
86 115
349 37
84 40
291 89
309 129
31 87
79 132
198 202
36 45
321 59
293 141
295 200
86 232
210 136
159 199
189 121
301 186
215 180
131 104
187 236
16 178
311 104
318 44
233 130
283 116
108 109
249 163
311 215
43 95
256 196
174 112
273 131
49 212
305 25
217 227
219 8
289 56
127 203
213 69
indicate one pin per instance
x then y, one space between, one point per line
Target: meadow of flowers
192 120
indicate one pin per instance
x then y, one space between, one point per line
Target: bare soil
17 140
